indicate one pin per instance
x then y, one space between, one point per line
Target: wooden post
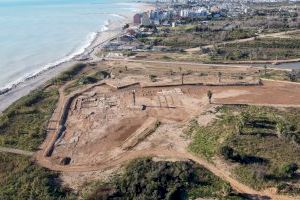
133 96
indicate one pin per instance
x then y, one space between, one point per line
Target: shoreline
99 37
24 87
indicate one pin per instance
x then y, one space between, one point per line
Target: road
16 151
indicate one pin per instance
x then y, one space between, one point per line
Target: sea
38 34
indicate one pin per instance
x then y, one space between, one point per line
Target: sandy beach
24 88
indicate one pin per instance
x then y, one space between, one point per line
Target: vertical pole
133 96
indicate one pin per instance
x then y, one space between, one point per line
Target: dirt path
236 65
169 153
238 186
16 151
279 81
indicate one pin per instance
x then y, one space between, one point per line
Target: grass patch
207 140
69 74
86 80
23 125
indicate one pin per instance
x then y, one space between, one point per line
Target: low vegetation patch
261 143
258 49
282 75
69 74
23 125
195 35
147 179
21 179
87 79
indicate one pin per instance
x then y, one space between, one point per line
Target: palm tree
240 122
238 127
209 95
265 67
280 128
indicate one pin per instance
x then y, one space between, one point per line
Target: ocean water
37 34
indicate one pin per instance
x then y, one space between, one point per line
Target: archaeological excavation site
128 116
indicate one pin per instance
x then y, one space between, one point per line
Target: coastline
112 30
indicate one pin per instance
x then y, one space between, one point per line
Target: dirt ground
101 120
270 94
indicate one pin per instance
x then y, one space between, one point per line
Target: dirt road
192 64
169 153
16 151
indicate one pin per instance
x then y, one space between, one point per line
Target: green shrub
288 170
146 179
152 78
21 179
87 80
23 124
261 159
70 74
227 152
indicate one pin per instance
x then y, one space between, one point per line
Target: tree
289 169
125 26
87 80
209 95
238 127
280 128
293 75
265 67
225 190
240 122
227 152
